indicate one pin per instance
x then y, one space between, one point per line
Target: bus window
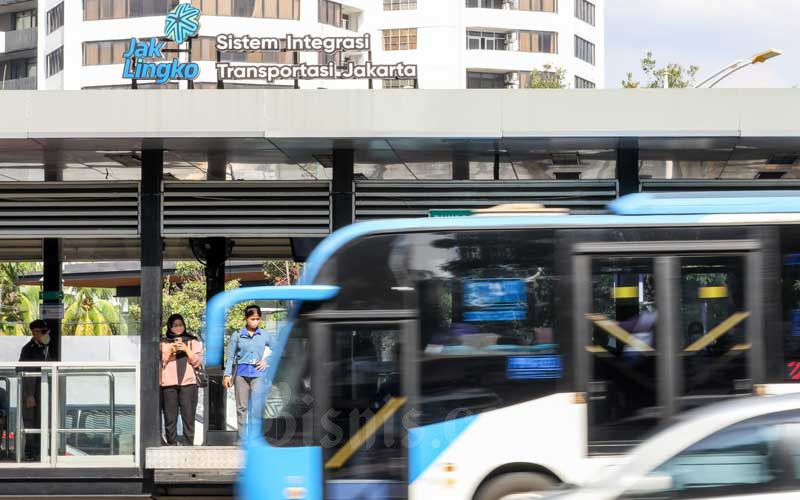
288 407
790 283
486 320
371 273
712 341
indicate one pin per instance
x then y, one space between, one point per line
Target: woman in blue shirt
245 362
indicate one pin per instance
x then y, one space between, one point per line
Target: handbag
201 376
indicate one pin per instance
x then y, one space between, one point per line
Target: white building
455 43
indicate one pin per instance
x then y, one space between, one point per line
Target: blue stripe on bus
428 442
276 473
725 202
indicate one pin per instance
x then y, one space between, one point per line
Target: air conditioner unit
510 4
512 80
511 40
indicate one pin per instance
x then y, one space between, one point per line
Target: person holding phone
248 350
181 354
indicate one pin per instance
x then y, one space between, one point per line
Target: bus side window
790 291
486 320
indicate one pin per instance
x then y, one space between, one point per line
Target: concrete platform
194 464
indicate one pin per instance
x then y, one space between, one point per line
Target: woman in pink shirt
181 353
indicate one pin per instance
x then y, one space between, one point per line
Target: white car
738 450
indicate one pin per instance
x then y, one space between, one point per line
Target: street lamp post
740 65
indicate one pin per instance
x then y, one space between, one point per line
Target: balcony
18 40
28 83
3 3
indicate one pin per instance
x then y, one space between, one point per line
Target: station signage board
146 60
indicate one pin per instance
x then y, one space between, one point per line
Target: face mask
45 339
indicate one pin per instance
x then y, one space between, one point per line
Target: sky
708 33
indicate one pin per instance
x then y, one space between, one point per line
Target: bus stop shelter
220 175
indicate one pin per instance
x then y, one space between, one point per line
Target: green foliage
19 305
548 78
282 273
675 74
90 312
184 293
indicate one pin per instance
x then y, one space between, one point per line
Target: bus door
364 386
664 327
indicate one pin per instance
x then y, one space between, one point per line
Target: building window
400 39
584 50
265 9
55 61
539 5
205 49
19 68
477 80
25 20
324 58
486 40
400 83
55 18
111 51
580 83
350 22
330 13
584 11
525 77
399 4
485 4
538 41
94 10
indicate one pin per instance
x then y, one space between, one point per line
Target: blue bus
479 356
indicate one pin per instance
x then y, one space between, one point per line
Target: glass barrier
69 414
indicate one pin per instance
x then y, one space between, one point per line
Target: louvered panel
665 185
246 208
390 199
69 209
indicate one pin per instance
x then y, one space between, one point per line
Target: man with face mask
37 350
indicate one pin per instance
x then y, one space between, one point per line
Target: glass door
624 345
364 409
664 331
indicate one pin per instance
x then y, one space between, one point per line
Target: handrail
112 405
55 370
5 436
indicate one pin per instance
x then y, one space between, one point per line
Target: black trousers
181 398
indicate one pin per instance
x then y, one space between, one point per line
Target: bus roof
341 237
637 210
724 202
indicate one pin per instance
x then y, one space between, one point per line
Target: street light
739 65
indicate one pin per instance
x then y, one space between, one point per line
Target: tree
90 312
675 74
187 297
282 272
19 305
548 78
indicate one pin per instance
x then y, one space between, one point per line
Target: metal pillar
628 166
215 254
52 262
460 168
151 253
51 288
342 186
